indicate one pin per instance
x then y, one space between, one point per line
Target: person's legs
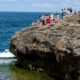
61 18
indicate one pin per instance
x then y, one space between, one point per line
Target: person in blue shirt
62 16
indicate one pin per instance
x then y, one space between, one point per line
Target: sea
11 22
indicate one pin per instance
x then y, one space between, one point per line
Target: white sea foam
7 61
6 54
6 57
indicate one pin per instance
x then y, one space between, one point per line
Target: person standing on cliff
68 9
50 21
45 19
52 17
56 17
75 12
47 16
39 19
64 11
62 16
42 20
35 19
71 11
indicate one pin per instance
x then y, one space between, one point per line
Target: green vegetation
20 74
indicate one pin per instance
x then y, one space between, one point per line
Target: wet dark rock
54 50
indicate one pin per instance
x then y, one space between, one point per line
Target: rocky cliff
51 49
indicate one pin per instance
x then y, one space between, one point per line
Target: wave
6 54
6 57
7 61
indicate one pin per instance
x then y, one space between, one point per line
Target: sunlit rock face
51 49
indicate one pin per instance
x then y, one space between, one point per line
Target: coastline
49 49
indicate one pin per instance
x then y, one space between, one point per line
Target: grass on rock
21 74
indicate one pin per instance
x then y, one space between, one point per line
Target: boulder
54 49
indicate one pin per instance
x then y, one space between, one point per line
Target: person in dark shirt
62 16
70 10
74 11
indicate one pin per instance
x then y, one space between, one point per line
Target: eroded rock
54 50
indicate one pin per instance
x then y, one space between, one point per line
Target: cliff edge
51 49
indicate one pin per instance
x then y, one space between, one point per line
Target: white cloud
43 5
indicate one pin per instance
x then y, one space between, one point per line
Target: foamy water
7 61
6 54
6 57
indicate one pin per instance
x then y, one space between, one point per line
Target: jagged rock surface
54 50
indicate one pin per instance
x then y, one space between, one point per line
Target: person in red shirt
68 9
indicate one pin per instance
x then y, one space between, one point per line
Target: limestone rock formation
51 49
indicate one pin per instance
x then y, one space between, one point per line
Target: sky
38 5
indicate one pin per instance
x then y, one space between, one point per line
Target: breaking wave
6 54
6 57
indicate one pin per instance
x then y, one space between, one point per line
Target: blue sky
37 5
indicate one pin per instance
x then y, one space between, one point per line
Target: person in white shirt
52 17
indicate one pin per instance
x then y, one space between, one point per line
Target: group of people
69 10
54 17
49 18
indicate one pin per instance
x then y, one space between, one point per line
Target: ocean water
10 22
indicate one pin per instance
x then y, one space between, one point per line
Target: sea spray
6 54
6 57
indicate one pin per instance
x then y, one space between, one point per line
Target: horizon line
26 11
